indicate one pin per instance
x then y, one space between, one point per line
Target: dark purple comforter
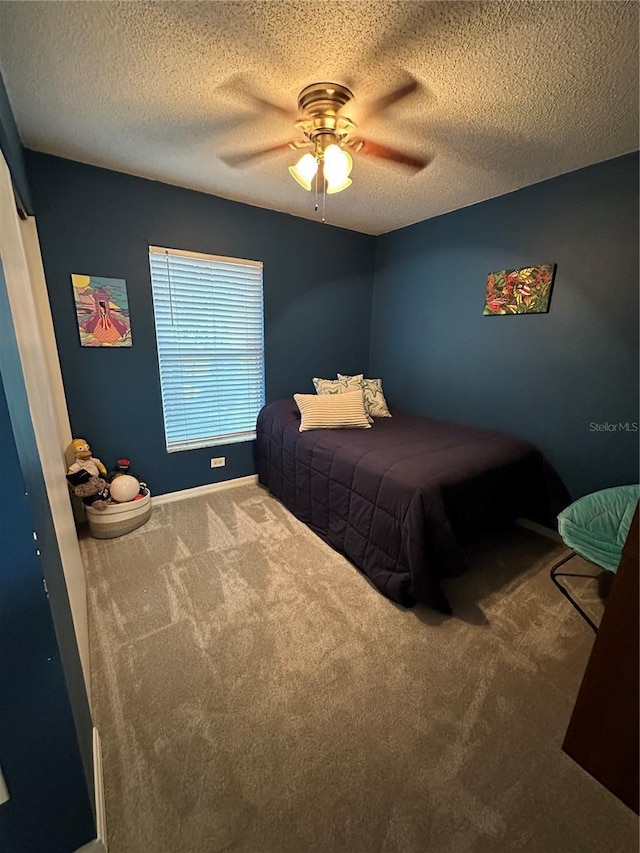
401 500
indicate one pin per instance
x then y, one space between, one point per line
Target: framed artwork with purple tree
523 291
102 310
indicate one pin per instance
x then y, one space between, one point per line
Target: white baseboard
158 500
540 529
98 782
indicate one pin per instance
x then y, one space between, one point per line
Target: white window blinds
210 334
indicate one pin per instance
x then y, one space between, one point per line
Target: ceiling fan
331 137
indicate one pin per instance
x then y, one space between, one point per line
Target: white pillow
374 401
332 411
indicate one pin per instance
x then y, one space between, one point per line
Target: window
210 334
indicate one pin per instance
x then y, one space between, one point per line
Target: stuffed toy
84 460
94 491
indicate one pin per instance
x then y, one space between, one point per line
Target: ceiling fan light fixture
331 134
337 168
305 170
333 188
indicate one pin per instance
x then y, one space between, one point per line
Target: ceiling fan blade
238 86
286 112
386 101
383 152
242 158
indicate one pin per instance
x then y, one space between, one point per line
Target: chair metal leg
554 574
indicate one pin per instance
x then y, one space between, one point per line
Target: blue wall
49 810
317 286
546 377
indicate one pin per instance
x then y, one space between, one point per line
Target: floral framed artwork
102 310
523 291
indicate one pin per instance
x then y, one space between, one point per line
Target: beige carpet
255 694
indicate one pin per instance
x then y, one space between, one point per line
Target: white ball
124 488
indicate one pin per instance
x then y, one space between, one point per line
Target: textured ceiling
509 93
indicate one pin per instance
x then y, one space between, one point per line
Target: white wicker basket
118 519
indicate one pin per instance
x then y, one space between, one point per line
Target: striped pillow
340 386
332 411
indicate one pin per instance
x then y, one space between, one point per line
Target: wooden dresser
603 732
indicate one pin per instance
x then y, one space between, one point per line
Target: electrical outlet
218 462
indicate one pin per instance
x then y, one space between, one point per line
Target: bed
403 499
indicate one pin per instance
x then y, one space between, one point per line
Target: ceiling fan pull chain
320 176
316 183
324 195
